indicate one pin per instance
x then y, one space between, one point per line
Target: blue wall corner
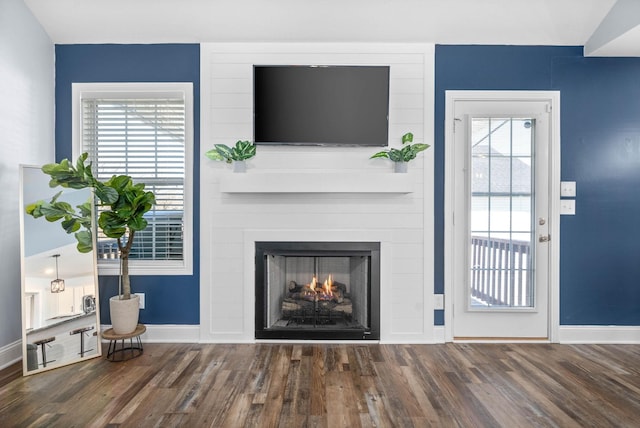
169 299
600 150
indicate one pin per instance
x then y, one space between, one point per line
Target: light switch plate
567 207
568 189
438 301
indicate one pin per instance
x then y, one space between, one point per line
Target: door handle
544 238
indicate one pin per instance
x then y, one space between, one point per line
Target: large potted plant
237 155
402 156
122 205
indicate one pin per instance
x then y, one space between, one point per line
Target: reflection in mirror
59 284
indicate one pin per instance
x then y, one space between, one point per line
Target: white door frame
553 98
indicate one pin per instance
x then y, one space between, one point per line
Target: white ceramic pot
239 166
124 314
400 167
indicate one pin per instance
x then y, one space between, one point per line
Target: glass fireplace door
315 292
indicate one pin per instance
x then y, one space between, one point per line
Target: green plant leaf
213 154
396 155
417 148
71 225
383 154
34 209
119 183
107 195
225 151
85 209
137 223
407 138
85 241
243 150
56 210
112 224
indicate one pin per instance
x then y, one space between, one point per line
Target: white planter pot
401 167
124 314
239 166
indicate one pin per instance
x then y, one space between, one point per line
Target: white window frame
145 90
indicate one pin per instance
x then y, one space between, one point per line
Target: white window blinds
143 138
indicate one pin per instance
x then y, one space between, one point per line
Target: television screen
321 105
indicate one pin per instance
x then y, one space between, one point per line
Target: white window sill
141 267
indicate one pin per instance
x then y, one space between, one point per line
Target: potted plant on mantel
237 154
402 156
123 204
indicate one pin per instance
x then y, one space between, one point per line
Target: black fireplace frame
322 248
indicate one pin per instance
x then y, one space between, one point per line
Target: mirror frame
56 327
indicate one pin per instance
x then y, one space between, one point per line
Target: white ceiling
514 22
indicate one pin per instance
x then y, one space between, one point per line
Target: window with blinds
147 137
143 138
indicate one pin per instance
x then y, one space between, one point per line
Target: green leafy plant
243 150
123 204
76 221
406 153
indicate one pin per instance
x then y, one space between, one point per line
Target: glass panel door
501 212
499 184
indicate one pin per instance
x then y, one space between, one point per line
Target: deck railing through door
500 272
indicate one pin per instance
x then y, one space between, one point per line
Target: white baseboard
178 333
599 334
438 334
168 333
10 354
415 339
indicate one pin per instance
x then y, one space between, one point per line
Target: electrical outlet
567 207
141 299
438 301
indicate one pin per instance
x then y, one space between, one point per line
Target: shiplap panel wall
226 309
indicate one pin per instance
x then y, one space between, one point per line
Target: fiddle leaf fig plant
74 220
243 150
123 205
406 153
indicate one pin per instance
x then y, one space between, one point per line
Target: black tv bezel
384 143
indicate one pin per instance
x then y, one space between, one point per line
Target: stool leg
81 345
44 355
111 349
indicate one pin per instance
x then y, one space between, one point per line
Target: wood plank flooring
336 385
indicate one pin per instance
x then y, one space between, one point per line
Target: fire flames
323 292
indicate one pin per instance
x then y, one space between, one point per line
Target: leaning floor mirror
60 316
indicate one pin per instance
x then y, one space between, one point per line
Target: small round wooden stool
125 351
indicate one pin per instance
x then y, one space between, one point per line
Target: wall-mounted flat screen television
321 105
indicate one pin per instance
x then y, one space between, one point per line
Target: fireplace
317 290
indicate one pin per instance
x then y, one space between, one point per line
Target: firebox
317 290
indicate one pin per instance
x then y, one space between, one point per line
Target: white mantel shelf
315 182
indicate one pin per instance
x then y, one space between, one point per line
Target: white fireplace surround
304 194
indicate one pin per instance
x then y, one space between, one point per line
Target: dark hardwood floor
336 385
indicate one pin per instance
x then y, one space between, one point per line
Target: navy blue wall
169 299
600 150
